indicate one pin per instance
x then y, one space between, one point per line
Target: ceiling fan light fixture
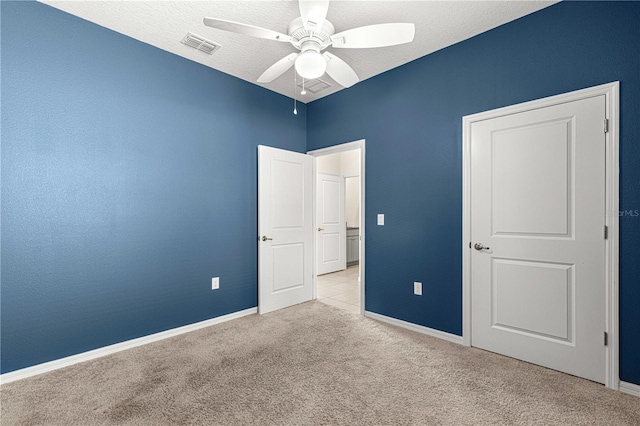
310 64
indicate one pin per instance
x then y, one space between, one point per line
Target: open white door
285 221
538 232
331 237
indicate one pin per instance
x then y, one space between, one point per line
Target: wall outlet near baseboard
417 288
215 283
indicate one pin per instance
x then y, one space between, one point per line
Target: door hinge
606 232
606 125
606 338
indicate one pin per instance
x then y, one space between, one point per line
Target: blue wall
128 181
411 118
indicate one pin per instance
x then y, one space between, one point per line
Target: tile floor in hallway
341 289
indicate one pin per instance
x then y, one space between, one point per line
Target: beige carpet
311 364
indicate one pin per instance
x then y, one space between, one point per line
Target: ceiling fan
312 33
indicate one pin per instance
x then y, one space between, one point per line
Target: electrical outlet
215 283
380 219
417 288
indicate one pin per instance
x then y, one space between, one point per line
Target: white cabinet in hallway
353 246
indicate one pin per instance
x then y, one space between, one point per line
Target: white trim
314 278
349 146
111 349
612 254
415 327
611 92
334 149
630 388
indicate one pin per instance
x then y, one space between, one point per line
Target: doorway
339 226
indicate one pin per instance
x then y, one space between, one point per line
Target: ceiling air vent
315 86
200 43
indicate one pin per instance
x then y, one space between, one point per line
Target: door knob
479 246
320 229
266 239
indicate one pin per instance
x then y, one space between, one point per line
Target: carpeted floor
310 364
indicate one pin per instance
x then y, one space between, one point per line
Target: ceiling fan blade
277 69
246 29
340 71
379 35
313 13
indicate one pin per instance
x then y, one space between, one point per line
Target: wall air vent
200 43
314 86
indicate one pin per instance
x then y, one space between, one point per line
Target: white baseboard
108 350
630 388
415 327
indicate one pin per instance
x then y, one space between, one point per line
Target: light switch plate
380 219
215 283
417 288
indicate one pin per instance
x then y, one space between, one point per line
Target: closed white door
331 230
285 228
537 227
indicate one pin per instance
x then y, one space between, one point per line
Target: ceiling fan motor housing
301 37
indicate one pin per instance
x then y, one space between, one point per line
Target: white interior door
537 224
285 227
331 231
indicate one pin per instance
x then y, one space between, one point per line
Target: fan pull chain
295 85
304 92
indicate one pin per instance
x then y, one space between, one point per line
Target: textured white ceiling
164 23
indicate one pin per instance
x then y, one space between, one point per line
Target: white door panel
531 165
331 230
537 206
285 220
330 247
533 297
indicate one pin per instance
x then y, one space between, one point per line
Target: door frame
348 146
611 326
